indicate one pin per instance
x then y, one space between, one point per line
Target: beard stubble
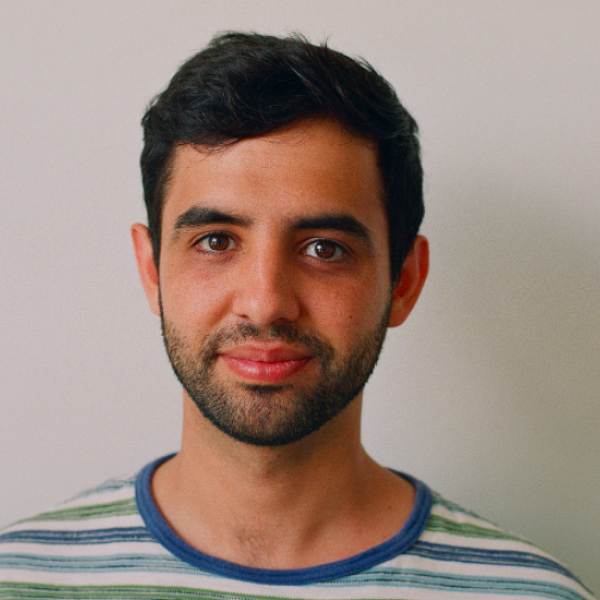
272 415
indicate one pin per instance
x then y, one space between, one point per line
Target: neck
280 507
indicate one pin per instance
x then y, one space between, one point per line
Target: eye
325 250
216 242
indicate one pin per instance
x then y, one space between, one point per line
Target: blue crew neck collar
398 544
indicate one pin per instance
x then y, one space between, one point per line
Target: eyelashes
216 242
324 249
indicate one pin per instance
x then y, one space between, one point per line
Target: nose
266 291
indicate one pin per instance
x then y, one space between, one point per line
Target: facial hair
272 415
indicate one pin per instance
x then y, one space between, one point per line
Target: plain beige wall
490 391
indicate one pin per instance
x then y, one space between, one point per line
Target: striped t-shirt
112 543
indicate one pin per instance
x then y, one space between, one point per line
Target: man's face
274 283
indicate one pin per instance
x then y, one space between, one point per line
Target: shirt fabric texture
112 543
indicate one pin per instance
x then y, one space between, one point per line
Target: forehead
311 167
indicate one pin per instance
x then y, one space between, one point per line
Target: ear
412 279
146 265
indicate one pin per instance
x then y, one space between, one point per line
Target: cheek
192 301
348 315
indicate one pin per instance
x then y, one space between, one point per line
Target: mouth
265 364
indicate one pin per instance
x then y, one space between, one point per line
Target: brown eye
216 242
325 250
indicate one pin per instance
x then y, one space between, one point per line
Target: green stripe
442 525
110 509
15 591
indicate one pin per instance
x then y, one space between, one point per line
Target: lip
265 364
265 352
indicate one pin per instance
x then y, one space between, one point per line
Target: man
284 194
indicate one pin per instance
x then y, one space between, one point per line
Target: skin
321 498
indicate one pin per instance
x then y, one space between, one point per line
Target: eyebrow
197 216
336 222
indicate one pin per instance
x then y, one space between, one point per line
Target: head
283 181
244 86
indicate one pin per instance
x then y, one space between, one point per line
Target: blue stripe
88 536
392 578
484 556
96 564
404 578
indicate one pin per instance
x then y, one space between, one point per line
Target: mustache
285 332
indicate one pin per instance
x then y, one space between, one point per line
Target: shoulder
459 549
102 514
110 498
71 549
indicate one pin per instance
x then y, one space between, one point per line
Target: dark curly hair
247 85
